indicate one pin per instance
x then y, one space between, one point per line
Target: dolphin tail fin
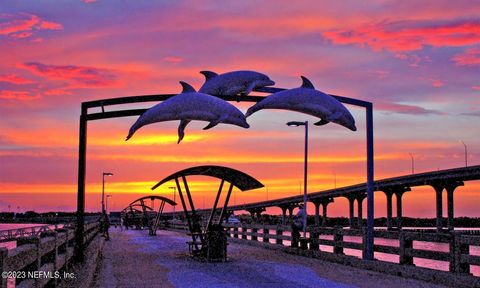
181 129
321 122
306 83
187 87
251 110
208 74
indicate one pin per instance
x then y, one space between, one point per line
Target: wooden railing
458 256
12 234
49 251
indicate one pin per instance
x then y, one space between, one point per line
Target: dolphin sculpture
233 83
306 99
191 105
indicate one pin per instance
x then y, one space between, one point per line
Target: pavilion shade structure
209 244
242 181
130 212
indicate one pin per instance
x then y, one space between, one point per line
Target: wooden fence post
460 248
235 232
314 240
3 258
279 232
266 235
244 232
338 240
254 232
405 244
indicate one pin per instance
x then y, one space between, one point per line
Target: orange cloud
408 35
79 76
14 79
22 25
470 57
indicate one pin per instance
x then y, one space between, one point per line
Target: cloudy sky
418 62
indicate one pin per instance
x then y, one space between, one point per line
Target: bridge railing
49 251
337 240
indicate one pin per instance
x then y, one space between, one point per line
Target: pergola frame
85 116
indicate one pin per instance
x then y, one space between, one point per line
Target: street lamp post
305 167
413 162
466 153
103 190
106 203
174 199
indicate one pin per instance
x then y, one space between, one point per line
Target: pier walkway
134 259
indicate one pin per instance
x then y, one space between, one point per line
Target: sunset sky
417 61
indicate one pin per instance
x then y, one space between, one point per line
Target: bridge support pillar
399 191
284 214
290 213
351 202
399 209
360 211
389 194
438 196
450 187
324 213
317 212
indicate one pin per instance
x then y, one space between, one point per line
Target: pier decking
134 259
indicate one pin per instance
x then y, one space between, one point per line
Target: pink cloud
78 76
89 1
22 25
17 95
173 59
469 57
14 79
436 83
408 35
476 87
403 108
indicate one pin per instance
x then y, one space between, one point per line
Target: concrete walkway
134 259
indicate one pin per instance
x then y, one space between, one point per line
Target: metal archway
85 116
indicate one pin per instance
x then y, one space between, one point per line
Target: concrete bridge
443 180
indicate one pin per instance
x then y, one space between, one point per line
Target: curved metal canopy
239 179
154 197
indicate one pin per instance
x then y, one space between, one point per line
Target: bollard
303 243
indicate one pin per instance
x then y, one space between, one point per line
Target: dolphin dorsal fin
187 87
306 83
208 74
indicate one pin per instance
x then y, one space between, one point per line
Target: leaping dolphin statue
191 105
233 83
306 99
